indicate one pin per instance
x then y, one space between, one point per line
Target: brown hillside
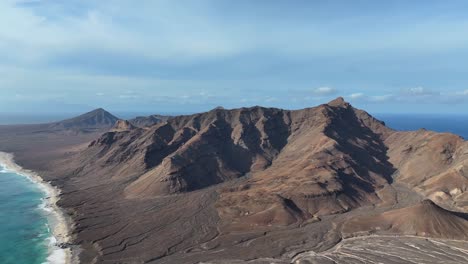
423 219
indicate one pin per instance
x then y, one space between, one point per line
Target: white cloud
128 96
324 91
355 96
418 91
381 98
465 92
371 98
419 95
39 36
159 31
36 37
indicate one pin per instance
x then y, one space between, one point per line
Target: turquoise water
24 234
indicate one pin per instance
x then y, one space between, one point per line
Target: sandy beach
59 223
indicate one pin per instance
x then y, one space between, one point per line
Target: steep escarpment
332 162
187 153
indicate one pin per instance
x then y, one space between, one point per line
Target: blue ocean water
456 124
24 233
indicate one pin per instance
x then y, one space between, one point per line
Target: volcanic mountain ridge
147 121
320 160
315 161
250 175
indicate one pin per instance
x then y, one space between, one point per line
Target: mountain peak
338 102
97 118
98 111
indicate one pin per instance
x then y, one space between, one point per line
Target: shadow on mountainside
367 152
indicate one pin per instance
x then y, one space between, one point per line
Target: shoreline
59 223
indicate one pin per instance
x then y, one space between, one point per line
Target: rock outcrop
123 125
148 121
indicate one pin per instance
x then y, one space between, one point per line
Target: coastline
59 223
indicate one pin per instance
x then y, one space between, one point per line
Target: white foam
57 256
3 169
44 206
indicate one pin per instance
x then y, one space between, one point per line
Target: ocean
31 225
25 235
456 124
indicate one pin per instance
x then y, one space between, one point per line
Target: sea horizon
438 122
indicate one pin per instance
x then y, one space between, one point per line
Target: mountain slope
423 219
216 140
434 164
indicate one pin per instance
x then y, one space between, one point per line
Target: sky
191 56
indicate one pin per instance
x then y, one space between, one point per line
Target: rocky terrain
253 184
147 121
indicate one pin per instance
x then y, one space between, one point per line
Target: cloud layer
162 55
415 95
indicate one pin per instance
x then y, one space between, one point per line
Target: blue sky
188 56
